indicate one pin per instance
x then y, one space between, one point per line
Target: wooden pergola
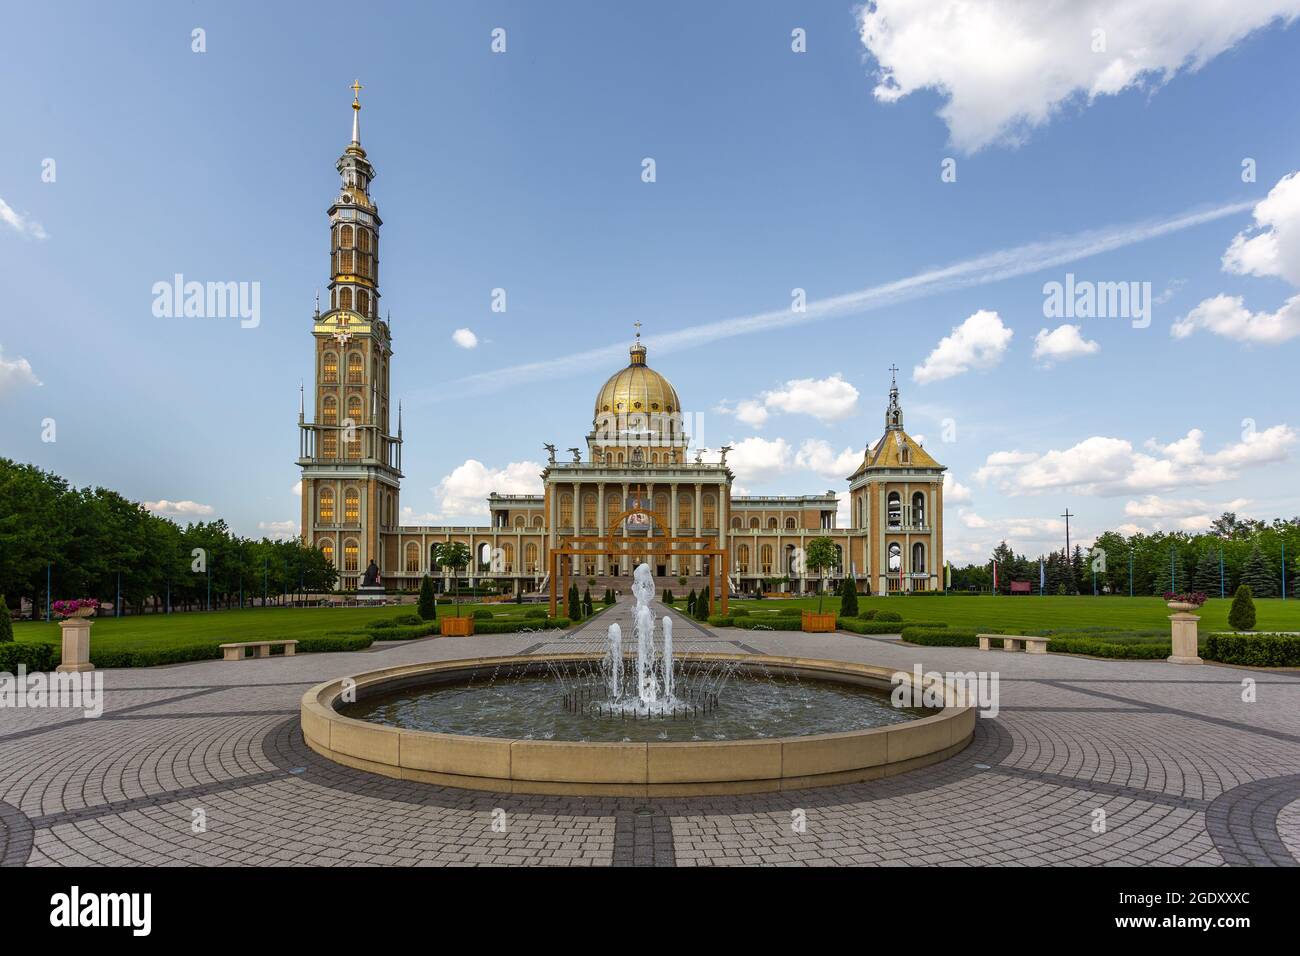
620 546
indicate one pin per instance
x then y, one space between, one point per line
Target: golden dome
637 389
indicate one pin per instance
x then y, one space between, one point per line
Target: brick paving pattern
1185 772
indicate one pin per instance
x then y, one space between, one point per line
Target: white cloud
1228 316
21 224
979 342
755 459
465 338
1178 514
1008 66
817 455
825 399
1272 251
179 509
1112 466
279 529
464 492
953 490
1275 248
15 373
296 490
1062 343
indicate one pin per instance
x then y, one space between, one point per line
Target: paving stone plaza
1186 772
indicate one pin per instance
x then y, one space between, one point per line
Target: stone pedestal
76 645
374 593
1184 633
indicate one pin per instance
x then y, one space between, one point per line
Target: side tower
351 463
896 510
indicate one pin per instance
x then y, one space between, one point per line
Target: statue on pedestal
371 578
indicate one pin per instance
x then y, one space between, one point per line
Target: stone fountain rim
615 768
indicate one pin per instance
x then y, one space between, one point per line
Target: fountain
642 718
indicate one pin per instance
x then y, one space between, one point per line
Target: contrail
981 270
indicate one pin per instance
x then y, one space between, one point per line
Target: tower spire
894 414
356 111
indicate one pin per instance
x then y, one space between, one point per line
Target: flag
995 576
947 574
1042 576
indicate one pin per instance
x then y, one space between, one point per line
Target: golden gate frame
621 546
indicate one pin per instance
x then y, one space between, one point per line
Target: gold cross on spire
638 329
356 89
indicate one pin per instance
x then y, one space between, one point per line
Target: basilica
638 493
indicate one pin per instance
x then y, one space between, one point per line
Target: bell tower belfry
351 462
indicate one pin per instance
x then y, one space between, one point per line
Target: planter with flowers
1184 625
75 616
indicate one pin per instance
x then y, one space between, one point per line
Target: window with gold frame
412 556
325 508
710 512
566 511
356 368
351 555
589 511
329 445
329 412
351 506
345 262
327 549
345 298
530 558
329 373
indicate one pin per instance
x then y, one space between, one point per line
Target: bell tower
351 462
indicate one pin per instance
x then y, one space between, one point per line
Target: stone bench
235 652
1016 642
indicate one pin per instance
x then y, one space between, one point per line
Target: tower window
363 240
327 549
351 507
345 237
351 553
329 370
345 261
895 509
412 558
363 303
356 367
329 446
325 510
330 410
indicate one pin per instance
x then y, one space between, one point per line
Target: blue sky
775 170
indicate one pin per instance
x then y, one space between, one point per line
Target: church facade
638 479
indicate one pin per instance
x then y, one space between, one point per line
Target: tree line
89 542
1233 551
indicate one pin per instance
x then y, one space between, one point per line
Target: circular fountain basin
418 722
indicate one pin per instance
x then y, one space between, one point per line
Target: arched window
895 558
661 510
791 562
894 508
736 523
345 298
363 303
766 554
753 522
325 506
329 368
918 509
789 524
354 409
329 412
329 445
530 558
363 240
485 555
412 558
566 510
345 237
862 511
839 561
356 368
508 558
351 505
771 524
612 506
520 521
918 556
589 510
351 555
710 511
537 521
742 559
345 262
327 549
684 516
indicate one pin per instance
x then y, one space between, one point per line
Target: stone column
697 509
76 645
1184 635
600 523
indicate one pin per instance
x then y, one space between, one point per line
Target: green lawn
251 624
987 611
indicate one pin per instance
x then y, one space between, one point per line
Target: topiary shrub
587 608
869 614
573 606
408 619
702 606
739 612
888 616
482 614
427 606
848 598
1241 617
690 603
534 612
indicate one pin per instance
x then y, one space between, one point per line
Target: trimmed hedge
1254 650
35 657
502 626
888 616
940 637
859 626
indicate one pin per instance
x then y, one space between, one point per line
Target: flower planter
456 626
817 623
1183 626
